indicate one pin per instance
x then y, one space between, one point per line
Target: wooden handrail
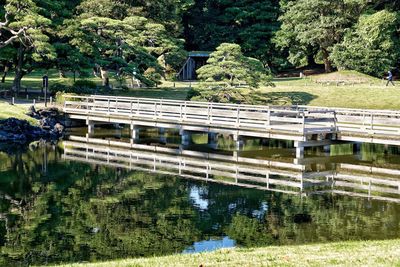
296 119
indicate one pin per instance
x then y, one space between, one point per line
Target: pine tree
24 28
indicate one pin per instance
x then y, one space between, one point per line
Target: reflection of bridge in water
285 177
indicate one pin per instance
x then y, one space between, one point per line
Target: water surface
76 201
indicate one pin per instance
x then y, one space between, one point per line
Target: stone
32 112
20 131
59 128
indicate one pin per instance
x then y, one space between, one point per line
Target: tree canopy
371 46
226 69
152 38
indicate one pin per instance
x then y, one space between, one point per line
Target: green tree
24 27
372 46
227 68
111 44
286 42
393 5
251 24
317 24
111 36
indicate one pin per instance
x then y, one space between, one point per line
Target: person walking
390 78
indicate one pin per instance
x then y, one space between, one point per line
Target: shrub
85 84
59 87
79 87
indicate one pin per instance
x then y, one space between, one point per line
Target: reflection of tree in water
291 220
79 212
82 213
255 218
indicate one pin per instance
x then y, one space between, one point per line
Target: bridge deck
246 120
296 123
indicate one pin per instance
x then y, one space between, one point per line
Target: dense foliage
226 70
370 47
148 40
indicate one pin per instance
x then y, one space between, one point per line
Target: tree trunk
311 61
3 78
104 77
96 71
18 70
16 87
61 73
327 62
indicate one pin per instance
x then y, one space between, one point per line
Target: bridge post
134 132
299 149
327 150
161 133
185 136
299 152
239 141
356 147
212 137
212 140
90 125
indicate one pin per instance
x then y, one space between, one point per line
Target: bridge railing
254 117
367 122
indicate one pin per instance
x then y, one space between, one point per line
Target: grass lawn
348 89
357 91
15 111
306 92
361 253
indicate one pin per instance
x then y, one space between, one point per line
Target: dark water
76 201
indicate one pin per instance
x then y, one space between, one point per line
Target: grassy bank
373 95
15 111
362 253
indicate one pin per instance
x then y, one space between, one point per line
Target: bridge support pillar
299 152
185 136
134 132
327 150
161 134
299 149
264 141
239 141
212 140
90 125
161 131
356 147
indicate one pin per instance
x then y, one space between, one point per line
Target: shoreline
349 253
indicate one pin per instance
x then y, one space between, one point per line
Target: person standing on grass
390 78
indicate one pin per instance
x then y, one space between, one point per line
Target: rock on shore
21 131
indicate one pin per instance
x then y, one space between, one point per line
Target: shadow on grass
287 79
160 92
282 98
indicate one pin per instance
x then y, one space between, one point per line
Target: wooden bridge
305 126
285 177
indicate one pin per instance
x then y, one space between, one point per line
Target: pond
105 197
